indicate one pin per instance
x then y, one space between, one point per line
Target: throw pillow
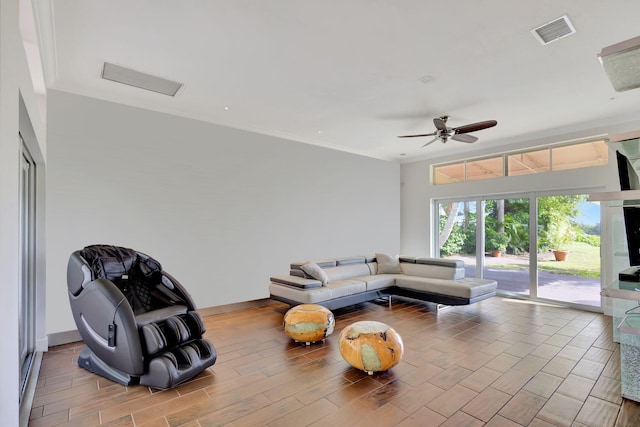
388 264
315 271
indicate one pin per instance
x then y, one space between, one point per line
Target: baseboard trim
60 338
42 345
227 308
66 337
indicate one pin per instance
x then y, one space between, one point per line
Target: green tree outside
507 226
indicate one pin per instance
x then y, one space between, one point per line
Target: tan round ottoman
371 346
308 323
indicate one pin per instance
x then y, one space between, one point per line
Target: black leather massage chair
140 325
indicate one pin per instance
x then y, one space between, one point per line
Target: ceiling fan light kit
621 63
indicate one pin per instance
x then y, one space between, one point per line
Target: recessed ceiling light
127 76
226 108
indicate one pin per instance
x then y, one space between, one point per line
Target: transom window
539 160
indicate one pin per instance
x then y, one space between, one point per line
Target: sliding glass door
457 237
569 249
520 237
506 230
26 322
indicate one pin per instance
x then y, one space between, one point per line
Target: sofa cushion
388 264
479 287
348 271
315 271
463 288
339 288
378 281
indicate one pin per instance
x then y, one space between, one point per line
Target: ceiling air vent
554 30
140 80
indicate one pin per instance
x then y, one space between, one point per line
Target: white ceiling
347 74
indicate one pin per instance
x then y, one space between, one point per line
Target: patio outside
512 275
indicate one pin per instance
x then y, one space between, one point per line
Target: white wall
15 83
222 209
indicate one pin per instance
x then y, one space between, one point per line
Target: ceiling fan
443 133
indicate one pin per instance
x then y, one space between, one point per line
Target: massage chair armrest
108 326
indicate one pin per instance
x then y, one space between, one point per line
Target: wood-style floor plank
493 363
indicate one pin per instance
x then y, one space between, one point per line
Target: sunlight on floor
521 301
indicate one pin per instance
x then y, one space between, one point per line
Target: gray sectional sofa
335 283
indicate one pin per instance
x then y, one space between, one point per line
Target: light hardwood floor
499 362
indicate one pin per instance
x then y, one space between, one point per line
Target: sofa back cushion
388 264
348 271
348 268
432 270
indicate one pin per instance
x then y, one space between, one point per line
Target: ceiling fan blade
464 138
440 123
475 126
417 136
430 142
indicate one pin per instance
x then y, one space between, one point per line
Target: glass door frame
532 196
27 292
479 226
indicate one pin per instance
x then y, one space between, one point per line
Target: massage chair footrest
179 365
171 332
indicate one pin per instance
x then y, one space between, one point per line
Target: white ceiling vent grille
140 80
554 30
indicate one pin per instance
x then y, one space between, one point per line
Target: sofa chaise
336 283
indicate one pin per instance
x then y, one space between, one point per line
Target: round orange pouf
308 323
371 346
